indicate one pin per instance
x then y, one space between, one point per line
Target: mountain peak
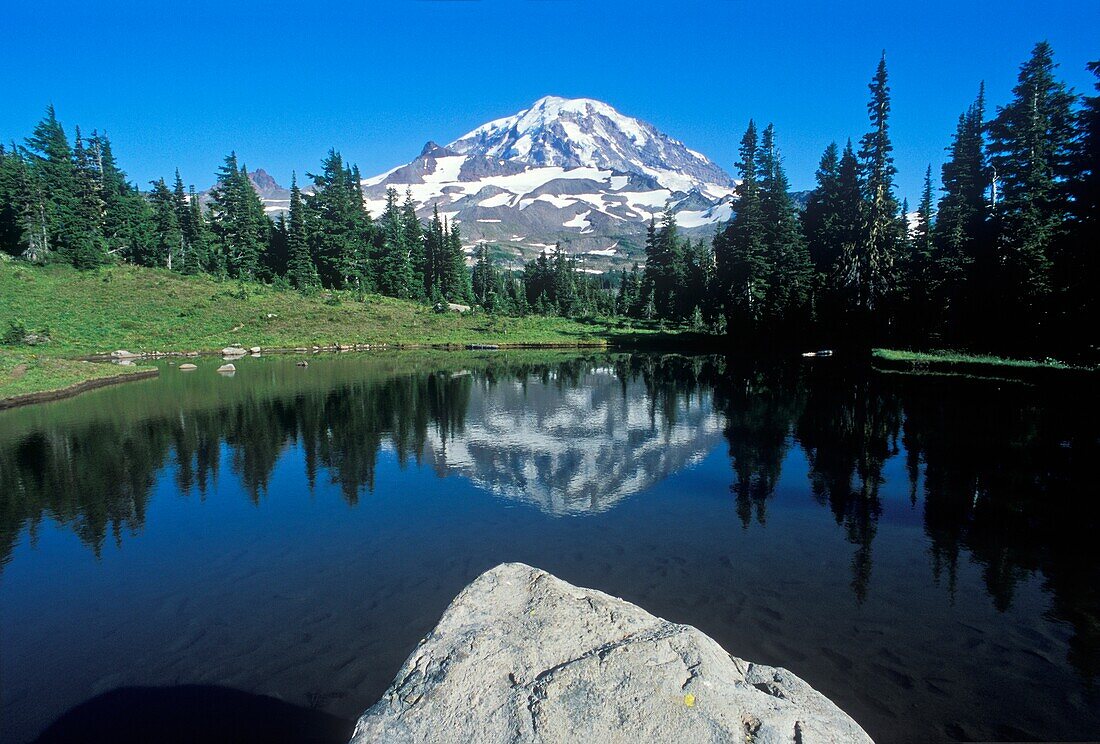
573 171
583 132
432 149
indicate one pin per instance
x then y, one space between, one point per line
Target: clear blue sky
183 83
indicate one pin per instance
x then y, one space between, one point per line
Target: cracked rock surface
521 655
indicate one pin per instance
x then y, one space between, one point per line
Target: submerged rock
521 655
187 367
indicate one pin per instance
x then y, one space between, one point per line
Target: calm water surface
922 550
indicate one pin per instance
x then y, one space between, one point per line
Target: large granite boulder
521 655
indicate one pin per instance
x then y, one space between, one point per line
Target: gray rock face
521 655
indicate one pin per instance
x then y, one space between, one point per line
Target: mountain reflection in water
997 474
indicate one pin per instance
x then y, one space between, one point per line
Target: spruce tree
484 281
918 267
455 284
1079 265
414 239
788 262
301 271
740 250
126 216
392 269
13 201
819 219
872 262
239 221
167 248
340 231
435 257
61 223
962 260
1031 147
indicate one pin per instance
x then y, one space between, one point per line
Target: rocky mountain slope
569 170
574 171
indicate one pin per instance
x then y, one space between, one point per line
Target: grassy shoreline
33 378
89 314
961 362
152 312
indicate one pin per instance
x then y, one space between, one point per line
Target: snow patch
580 220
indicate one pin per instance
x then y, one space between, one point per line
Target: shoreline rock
521 655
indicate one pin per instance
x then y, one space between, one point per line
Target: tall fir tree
740 250
167 249
918 268
392 269
341 233
240 224
60 222
413 235
962 260
787 297
301 271
819 218
872 262
126 216
1031 150
1079 265
455 279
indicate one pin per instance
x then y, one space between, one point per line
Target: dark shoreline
46 396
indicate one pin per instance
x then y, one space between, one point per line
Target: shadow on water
999 475
187 714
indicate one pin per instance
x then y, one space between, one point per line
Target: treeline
73 204
1005 258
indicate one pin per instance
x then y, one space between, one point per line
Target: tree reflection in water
1004 470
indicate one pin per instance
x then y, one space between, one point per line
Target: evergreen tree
435 257
192 254
961 260
564 294
819 219
240 224
60 222
13 201
413 236
872 262
1031 146
392 270
918 266
301 271
199 235
789 269
1079 269
455 284
740 250
664 268
167 249
126 217
340 231
485 278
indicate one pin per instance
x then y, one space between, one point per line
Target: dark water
922 550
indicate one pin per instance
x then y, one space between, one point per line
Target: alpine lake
922 549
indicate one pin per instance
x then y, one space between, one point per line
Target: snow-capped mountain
581 450
569 170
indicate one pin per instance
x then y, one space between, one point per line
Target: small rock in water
231 351
303 364
255 350
188 367
227 369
